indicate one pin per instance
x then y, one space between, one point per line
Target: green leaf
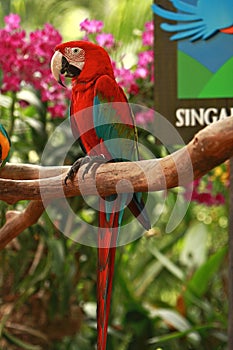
177 335
167 263
199 283
177 321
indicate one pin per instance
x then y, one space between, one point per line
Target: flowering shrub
211 188
25 62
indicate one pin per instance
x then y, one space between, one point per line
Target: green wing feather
113 120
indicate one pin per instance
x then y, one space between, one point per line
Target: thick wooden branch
209 148
17 222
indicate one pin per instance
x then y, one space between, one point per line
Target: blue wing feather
181 27
173 15
180 5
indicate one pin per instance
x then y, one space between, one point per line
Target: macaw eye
75 50
75 56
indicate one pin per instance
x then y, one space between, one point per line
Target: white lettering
223 113
211 113
201 116
180 117
187 117
197 117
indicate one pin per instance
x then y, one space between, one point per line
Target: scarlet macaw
102 120
5 145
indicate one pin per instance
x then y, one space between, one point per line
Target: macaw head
82 61
5 146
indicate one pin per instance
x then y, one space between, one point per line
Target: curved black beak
68 69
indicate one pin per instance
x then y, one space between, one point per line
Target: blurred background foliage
170 289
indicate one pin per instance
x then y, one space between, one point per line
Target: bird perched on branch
199 21
103 122
5 145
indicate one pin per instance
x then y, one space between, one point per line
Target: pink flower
11 83
126 79
12 22
149 26
145 58
44 40
148 35
58 110
203 196
144 117
147 39
25 60
91 26
141 73
105 40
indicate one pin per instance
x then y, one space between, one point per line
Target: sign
193 62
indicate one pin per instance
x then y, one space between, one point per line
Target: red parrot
103 122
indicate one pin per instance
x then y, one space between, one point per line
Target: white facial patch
75 56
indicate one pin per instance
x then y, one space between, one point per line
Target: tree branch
17 222
209 148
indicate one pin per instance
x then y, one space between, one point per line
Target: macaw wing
113 120
114 124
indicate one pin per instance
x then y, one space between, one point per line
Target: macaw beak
56 66
61 66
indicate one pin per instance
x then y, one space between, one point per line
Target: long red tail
107 239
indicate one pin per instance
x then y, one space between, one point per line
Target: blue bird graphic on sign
200 21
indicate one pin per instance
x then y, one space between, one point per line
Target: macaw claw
89 160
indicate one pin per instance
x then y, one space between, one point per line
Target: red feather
107 240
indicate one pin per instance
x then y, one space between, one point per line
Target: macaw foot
89 160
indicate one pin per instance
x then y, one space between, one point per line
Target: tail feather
104 281
110 216
107 239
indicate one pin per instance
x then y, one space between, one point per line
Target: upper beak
56 66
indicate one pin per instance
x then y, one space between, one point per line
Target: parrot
102 121
5 146
200 21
